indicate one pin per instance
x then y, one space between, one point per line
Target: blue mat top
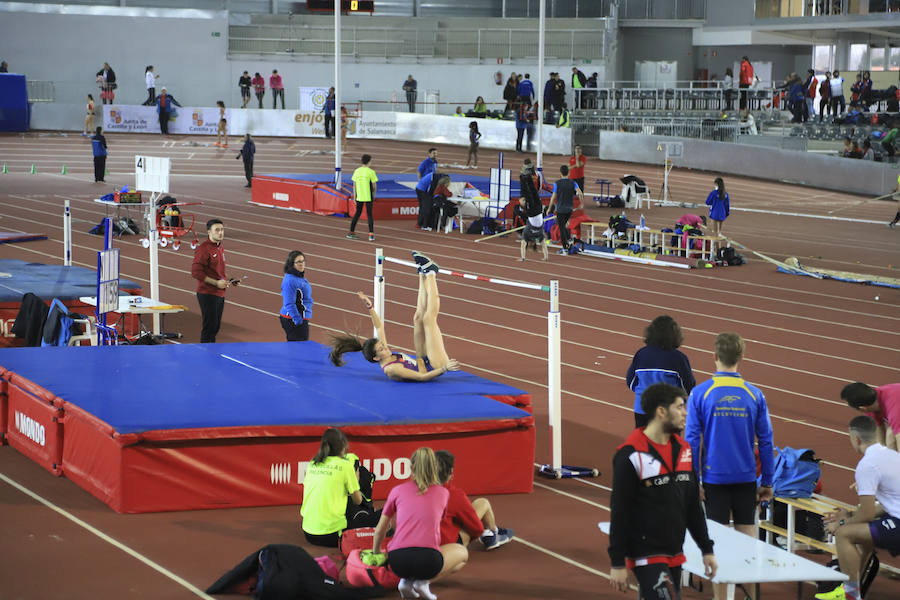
49 281
389 185
145 388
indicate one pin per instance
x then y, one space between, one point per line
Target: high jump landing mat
181 427
395 196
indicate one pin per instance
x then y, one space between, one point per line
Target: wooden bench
654 238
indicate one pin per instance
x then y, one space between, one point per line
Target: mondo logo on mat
382 468
31 429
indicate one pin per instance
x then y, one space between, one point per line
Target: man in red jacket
746 79
208 269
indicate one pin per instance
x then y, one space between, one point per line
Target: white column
539 92
337 94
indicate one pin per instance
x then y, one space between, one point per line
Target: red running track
806 339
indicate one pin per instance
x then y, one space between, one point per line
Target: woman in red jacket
259 86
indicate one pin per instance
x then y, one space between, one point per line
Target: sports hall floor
806 338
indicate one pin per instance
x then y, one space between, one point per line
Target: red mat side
4 405
35 423
92 457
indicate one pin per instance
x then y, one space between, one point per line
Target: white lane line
573 496
133 553
256 369
564 559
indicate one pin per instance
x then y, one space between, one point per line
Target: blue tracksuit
427 166
297 295
728 413
655 365
424 184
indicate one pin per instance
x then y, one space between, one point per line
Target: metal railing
704 129
41 91
390 42
669 99
781 9
662 9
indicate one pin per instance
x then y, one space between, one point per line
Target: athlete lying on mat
431 358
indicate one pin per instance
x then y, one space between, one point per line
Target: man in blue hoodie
98 145
727 418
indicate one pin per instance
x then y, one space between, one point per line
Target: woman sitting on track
431 358
330 479
417 506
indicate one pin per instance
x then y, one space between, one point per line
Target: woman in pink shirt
259 86
277 89
417 507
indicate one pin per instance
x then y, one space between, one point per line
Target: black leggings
275 95
294 332
151 96
329 540
259 96
359 209
416 563
658 581
562 220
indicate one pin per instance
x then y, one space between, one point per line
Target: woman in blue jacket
719 208
659 361
296 292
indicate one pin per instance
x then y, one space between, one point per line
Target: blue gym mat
137 389
18 277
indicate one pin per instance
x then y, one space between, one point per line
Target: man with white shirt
837 93
857 533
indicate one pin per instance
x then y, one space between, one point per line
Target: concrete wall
829 172
784 59
652 43
729 13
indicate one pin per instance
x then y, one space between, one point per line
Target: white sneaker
406 589
423 589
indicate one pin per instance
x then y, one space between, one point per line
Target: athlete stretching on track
431 358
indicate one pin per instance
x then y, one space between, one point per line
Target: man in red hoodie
208 269
746 79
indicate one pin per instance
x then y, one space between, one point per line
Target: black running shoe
421 259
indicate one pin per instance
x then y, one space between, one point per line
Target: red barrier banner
34 427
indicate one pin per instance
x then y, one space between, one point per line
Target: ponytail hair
334 442
343 343
424 469
720 185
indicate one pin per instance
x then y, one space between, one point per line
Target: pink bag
360 574
331 568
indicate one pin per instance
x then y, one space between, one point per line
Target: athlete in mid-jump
431 358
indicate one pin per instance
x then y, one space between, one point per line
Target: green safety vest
563 120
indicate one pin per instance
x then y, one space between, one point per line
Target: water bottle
643 224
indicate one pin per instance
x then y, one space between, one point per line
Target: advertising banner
313 98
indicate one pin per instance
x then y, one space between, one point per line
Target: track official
208 269
655 498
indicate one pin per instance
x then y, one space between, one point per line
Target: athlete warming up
431 358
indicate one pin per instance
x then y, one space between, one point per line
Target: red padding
4 405
329 201
35 425
292 194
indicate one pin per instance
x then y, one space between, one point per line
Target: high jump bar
554 352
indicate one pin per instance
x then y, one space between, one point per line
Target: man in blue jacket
98 145
727 418
165 106
526 89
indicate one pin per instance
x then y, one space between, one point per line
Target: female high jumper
431 357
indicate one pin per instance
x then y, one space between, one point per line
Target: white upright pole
539 92
554 374
153 236
378 292
67 236
337 94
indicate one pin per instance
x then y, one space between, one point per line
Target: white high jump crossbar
554 379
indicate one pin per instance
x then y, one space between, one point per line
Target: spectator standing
417 507
728 86
655 499
563 120
208 269
525 89
98 145
4 68
811 85
248 150
563 200
659 361
525 116
328 109
277 88
576 167
364 187
107 79
474 137
591 95
745 80
865 91
719 206
89 117
511 93
882 404
244 83
558 95
330 482
296 294
411 87
857 533
165 108
259 86
837 93
797 96
727 420
578 83
150 78
548 93
825 96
